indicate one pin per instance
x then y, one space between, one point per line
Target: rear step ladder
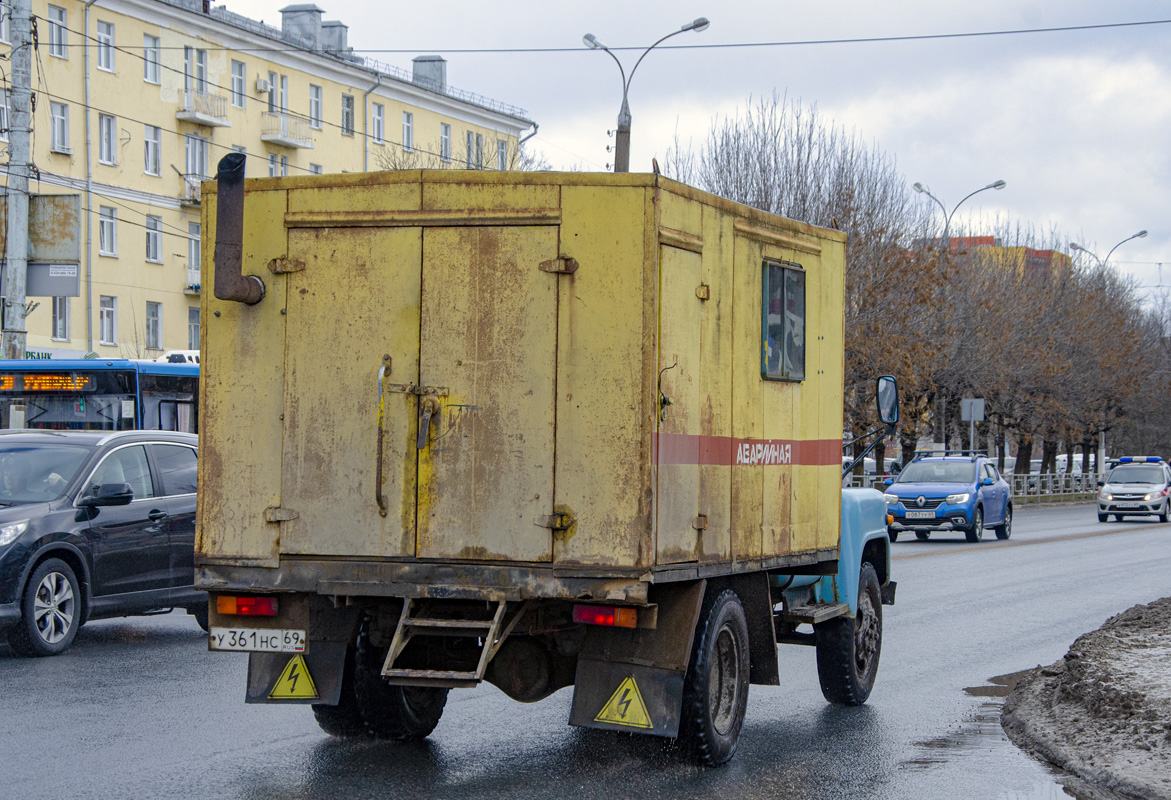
410 626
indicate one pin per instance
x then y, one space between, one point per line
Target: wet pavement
139 708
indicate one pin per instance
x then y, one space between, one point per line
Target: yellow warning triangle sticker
294 682
626 707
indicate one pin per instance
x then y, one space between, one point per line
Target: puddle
1001 685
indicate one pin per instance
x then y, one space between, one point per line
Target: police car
1137 486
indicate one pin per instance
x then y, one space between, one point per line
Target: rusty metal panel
54 227
356 301
830 328
747 389
489 335
604 418
677 538
241 390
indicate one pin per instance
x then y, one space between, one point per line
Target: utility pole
19 162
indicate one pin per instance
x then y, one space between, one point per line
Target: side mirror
1101 484
109 494
987 482
886 393
888 482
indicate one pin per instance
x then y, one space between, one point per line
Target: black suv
94 524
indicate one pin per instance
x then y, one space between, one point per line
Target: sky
1078 123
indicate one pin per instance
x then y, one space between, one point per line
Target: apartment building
170 87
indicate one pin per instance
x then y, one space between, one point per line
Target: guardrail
1052 487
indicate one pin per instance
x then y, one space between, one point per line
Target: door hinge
421 391
556 522
700 522
562 265
278 514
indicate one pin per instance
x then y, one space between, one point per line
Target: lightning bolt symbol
293 676
623 704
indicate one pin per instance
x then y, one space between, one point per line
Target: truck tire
345 719
848 649
401 713
715 690
976 532
1004 529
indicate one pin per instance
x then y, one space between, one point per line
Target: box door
356 301
487 375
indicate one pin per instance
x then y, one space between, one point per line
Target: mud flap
632 680
278 678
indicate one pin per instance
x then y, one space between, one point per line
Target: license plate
1127 505
920 515
256 640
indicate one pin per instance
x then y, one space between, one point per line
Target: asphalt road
139 708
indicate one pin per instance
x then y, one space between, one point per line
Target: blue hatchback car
949 493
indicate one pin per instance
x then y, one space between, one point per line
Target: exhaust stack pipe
230 282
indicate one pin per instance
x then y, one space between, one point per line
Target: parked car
94 524
1138 486
949 493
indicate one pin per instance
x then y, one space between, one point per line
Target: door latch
428 407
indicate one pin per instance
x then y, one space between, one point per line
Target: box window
782 347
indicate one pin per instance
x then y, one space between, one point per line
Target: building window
5 26
152 149
378 123
284 98
272 165
61 318
284 166
194 69
154 326
408 131
150 58
154 239
471 150
58 23
501 154
782 346
59 133
193 253
479 151
238 84
315 169
106 46
272 92
107 152
3 115
195 151
107 231
192 328
107 319
315 106
444 141
347 115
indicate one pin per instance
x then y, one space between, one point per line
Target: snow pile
1103 712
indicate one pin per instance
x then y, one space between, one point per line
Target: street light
1102 262
918 187
622 139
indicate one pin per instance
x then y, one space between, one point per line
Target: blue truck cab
951 491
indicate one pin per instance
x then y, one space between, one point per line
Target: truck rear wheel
848 649
402 713
345 719
715 691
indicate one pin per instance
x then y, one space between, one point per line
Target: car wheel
976 532
922 535
1103 518
1118 518
892 535
50 611
848 649
715 689
1163 515
1004 529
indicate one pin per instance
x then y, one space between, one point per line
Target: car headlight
956 499
1106 496
891 499
9 532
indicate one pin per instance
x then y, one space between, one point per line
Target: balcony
203 108
193 282
191 189
285 130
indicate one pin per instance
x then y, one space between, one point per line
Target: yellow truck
537 429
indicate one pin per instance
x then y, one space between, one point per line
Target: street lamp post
622 138
940 401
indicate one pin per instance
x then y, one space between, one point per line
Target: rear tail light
246 605
614 616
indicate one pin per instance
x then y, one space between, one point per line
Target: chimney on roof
430 72
334 35
304 20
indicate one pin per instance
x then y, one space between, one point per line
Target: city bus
99 394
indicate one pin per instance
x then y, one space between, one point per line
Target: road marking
294 682
625 707
1024 543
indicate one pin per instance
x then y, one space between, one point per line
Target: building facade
137 100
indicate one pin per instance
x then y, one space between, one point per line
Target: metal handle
157 516
428 406
382 373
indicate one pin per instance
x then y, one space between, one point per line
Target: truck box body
571 400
